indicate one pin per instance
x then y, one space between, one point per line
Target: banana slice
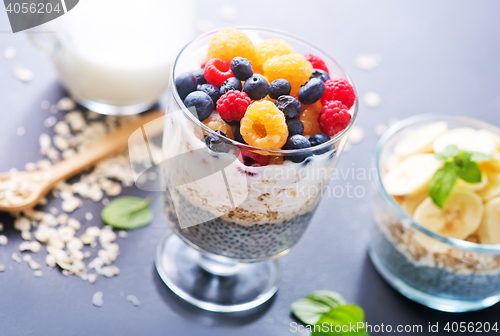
460 217
492 190
489 230
473 186
420 140
494 136
412 175
410 203
466 139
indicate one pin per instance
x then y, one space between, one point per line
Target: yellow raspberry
264 126
215 122
228 43
268 49
309 117
292 67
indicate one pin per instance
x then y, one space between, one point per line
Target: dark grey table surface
437 57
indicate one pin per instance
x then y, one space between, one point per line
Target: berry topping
216 123
318 139
321 74
312 91
232 83
212 91
309 117
297 141
229 43
264 126
199 104
215 144
185 84
292 67
339 89
279 87
334 117
241 68
294 126
270 48
217 71
289 106
233 105
200 78
252 159
237 135
256 87
317 62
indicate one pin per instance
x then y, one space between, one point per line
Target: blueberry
256 87
297 141
215 144
232 83
321 74
185 84
202 103
237 135
289 106
279 87
200 77
295 126
241 68
312 91
317 139
211 90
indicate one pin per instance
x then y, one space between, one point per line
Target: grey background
437 57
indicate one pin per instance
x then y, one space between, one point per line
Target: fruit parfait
254 128
437 206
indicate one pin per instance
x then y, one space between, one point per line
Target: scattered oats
53 154
228 12
96 264
60 142
49 219
105 201
43 201
45 143
35 246
38 274
356 135
34 214
66 272
54 109
87 239
53 210
9 53
22 224
50 260
66 194
16 258
106 237
45 105
87 254
21 131
44 233
62 219
74 244
56 242
30 166
380 129
66 104
66 233
105 257
34 265
23 74
27 258
122 234
95 193
77 256
62 128
75 120
89 216
393 121
26 235
114 189
74 223
50 121
110 271
135 301
204 26
71 204
367 61
84 276
92 278
372 99
66 154
2 268
4 240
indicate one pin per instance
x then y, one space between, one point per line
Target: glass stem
218 265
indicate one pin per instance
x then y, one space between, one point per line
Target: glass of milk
114 56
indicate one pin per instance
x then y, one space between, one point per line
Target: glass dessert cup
443 273
230 221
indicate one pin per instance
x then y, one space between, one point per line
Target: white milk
119 52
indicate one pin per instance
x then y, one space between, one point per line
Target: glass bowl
443 273
230 218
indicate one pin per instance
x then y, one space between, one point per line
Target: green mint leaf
311 308
480 157
442 183
127 213
449 154
343 320
470 172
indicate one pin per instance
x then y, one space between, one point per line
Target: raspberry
229 43
309 117
217 71
216 123
292 67
317 62
232 105
334 117
339 89
268 49
264 126
252 159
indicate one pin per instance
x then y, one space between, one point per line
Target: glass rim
279 152
406 218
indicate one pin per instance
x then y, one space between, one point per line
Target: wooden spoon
41 182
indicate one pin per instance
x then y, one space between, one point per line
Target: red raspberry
339 89
317 62
334 117
216 71
232 105
252 159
